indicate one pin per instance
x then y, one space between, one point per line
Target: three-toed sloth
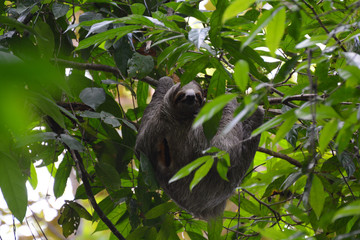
169 141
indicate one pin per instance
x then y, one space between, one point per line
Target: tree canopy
76 77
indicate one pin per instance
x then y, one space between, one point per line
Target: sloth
166 137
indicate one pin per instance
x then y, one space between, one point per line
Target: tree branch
302 97
100 67
280 155
82 174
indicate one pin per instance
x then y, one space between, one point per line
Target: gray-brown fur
167 138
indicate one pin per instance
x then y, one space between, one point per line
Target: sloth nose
190 98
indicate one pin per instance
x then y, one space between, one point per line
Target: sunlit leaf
61 177
12 185
241 74
211 108
351 209
110 34
198 35
317 196
235 8
275 31
160 210
263 21
201 173
186 170
327 134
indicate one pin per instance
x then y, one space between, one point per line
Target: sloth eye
179 97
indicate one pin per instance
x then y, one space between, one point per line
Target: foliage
299 59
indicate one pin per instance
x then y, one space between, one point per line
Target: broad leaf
201 173
327 134
241 74
71 142
59 9
186 170
317 196
62 175
211 108
93 97
235 8
349 210
108 175
160 210
198 35
12 184
110 34
275 31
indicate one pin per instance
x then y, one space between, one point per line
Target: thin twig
280 155
276 214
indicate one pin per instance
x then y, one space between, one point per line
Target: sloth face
187 100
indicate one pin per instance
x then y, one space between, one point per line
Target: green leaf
235 8
109 119
81 211
216 24
187 169
312 41
285 128
275 31
223 165
327 134
159 210
351 209
12 184
93 97
69 220
33 176
346 161
217 85
322 112
148 171
59 9
291 179
211 108
138 8
108 175
241 74
261 23
14 23
188 10
192 70
273 122
197 36
110 34
71 142
139 65
61 176
287 68
201 173
317 196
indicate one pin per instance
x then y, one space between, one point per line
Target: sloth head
186 101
